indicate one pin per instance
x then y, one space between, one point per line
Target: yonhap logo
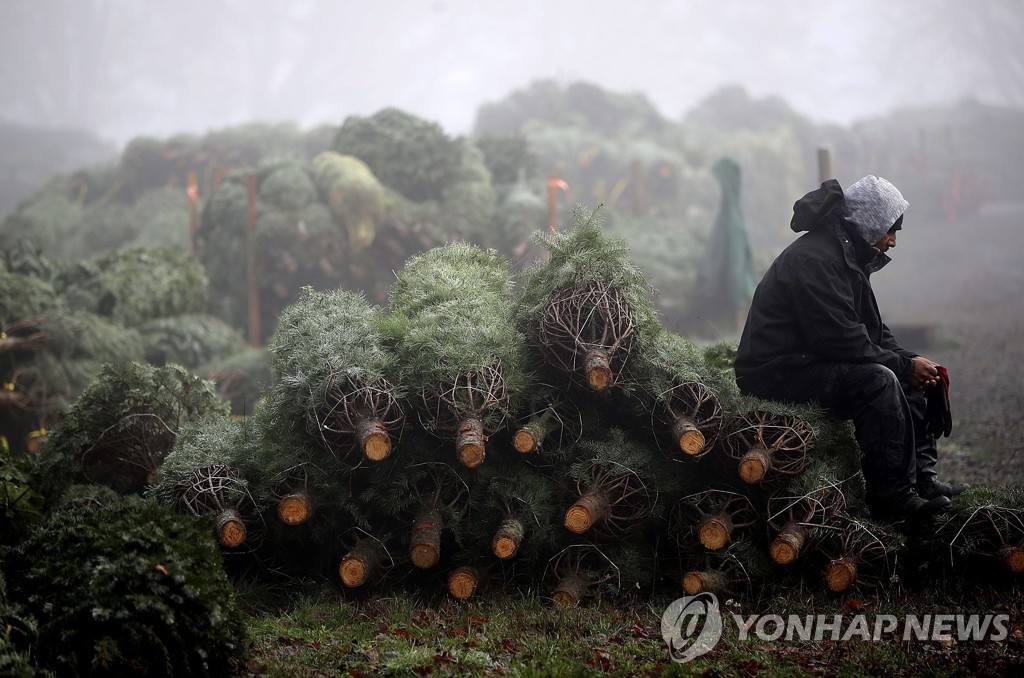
692 626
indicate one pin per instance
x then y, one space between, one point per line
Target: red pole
193 200
554 183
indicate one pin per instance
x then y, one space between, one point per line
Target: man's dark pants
888 420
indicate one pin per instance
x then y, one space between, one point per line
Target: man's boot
895 501
928 484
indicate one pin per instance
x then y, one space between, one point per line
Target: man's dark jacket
815 305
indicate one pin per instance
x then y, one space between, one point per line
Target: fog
122 68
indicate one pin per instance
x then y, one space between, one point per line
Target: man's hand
925 375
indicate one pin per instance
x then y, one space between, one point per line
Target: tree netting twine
588 329
769 446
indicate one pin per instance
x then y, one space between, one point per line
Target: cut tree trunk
1012 558
570 590
462 582
470 442
597 366
507 538
700 581
425 543
230 528
689 438
755 464
294 509
785 548
359 564
373 438
715 531
588 510
530 437
841 574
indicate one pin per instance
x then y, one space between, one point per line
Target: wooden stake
193 210
250 267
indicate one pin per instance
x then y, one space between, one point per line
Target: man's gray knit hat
873 205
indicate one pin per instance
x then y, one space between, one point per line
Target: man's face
888 241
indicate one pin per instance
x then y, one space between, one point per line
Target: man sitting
814 333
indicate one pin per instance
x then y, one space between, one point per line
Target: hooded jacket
815 303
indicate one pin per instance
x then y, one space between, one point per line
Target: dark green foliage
21 506
189 340
509 158
121 428
409 154
127 589
24 297
147 284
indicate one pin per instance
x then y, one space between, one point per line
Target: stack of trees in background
549 435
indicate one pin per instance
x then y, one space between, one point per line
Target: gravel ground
966 280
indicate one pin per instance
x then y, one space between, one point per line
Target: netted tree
983 532
202 476
769 442
586 308
616 486
123 426
734 571
409 154
858 554
428 499
353 194
714 518
580 571
517 512
688 399
135 285
458 350
803 511
335 373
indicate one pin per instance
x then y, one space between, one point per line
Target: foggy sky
123 68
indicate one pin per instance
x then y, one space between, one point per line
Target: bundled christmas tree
458 350
123 426
336 375
587 308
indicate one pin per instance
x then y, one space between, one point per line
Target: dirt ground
964 280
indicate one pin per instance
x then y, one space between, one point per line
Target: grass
326 633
